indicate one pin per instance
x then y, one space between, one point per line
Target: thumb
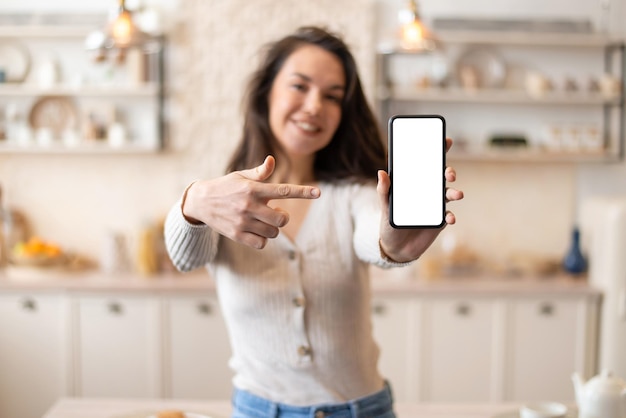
261 172
383 186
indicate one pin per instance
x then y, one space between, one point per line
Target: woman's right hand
236 205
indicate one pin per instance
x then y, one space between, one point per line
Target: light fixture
120 34
414 35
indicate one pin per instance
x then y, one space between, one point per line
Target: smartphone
417 162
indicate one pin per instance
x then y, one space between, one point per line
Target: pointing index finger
289 191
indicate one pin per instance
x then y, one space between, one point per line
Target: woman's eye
335 99
299 87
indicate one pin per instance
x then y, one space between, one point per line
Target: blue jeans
377 405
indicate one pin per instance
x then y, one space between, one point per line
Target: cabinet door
390 320
33 361
198 348
544 348
457 339
118 346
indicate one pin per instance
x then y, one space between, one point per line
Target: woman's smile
307 126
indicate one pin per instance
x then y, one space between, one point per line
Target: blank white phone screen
416 166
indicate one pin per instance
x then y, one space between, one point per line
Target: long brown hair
356 149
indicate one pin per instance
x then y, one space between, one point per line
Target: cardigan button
292 255
298 302
304 350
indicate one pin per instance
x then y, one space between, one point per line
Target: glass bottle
574 261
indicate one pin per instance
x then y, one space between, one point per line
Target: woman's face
305 101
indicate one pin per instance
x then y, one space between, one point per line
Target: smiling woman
305 103
288 235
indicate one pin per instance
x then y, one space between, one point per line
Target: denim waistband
379 405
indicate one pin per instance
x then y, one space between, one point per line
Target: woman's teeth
307 126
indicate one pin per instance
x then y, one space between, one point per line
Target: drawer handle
115 308
463 309
29 304
204 308
379 309
546 309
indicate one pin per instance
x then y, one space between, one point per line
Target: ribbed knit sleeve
189 246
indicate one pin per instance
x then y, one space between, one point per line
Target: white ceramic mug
610 86
537 84
543 410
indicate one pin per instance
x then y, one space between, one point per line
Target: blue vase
574 261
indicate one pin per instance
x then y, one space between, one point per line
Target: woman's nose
313 102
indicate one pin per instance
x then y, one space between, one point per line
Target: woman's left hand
403 245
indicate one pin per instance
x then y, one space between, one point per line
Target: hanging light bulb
122 27
414 35
120 34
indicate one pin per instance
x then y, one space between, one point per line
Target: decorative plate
15 60
490 68
56 113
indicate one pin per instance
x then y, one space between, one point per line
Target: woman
289 232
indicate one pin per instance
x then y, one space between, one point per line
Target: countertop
383 283
135 408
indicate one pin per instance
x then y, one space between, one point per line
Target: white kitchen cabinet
485 347
391 320
197 348
34 353
570 119
547 342
436 346
118 342
457 340
58 100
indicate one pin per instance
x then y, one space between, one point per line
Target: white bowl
543 410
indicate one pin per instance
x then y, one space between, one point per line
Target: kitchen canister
115 258
147 259
48 73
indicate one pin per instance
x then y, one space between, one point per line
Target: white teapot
603 396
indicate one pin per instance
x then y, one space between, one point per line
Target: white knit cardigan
297 312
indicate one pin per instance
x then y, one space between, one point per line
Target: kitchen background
510 208
521 339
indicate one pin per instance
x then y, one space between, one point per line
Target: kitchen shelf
465 37
44 31
133 96
405 86
578 40
530 156
460 95
99 146
17 90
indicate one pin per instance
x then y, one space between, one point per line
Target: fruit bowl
37 253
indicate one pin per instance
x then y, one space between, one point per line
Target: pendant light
119 35
414 34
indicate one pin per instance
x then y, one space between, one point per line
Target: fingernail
315 192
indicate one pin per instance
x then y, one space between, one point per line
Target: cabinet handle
204 308
463 309
546 309
379 309
115 308
29 304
